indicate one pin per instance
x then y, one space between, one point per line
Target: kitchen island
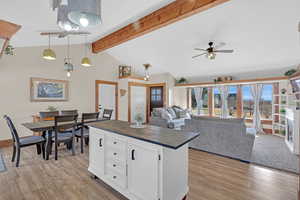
147 163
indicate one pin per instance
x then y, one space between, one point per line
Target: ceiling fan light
49 54
85 13
86 62
211 56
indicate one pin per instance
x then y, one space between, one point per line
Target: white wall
16 71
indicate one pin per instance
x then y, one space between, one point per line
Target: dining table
47 128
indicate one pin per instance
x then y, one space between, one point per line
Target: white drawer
115 143
117 178
116 166
115 155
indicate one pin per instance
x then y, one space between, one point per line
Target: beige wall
15 72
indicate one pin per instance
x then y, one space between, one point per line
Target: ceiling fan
62 34
211 51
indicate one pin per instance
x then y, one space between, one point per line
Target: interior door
107 97
156 97
143 172
138 102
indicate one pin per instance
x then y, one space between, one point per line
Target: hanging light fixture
68 66
63 20
86 62
49 54
147 75
85 13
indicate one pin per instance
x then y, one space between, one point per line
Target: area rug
2 164
271 151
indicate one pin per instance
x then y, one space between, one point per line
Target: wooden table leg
56 144
48 145
81 139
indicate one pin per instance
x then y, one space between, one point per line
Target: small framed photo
48 90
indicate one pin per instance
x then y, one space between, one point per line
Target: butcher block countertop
161 136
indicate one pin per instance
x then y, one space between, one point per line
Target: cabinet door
143 172
96 153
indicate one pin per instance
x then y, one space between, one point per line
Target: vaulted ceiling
263 34
36 16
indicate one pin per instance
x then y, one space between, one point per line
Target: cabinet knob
114 177
100 142
115 142
114 165
115 154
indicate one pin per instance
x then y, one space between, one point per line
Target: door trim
97 82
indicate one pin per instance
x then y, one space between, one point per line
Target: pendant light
85 13
49 54
147 75
68 66
86 62
63 20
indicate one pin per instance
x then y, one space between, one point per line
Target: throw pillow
172 113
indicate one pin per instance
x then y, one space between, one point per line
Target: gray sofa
227 137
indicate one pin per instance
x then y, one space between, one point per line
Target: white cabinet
96 152
137 169
143 172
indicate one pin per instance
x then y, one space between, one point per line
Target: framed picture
47 90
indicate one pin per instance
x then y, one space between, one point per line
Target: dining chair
49 115
107 113
63 122
19 143
83 132
69 112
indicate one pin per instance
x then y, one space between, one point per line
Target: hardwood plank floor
210 178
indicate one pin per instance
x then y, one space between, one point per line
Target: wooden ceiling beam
171 13
7 30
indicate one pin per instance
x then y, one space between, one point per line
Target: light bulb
68 74
84 21
67 27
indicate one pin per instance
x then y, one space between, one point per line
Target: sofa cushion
172 113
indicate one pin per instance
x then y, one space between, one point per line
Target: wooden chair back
13 130
107 113
64 122
69 112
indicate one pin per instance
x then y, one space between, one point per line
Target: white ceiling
263 34
36 16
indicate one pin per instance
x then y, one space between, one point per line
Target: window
248 103
204 109
232 101
217 102
265 104
156 94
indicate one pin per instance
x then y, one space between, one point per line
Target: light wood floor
210 178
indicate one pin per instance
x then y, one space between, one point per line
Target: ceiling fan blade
221 44
200 49
198 55
223 51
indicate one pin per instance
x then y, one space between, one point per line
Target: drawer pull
115 154
115 142
114 165
100 142
114 177
132 154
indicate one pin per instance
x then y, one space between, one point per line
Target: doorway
106 97
156 97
